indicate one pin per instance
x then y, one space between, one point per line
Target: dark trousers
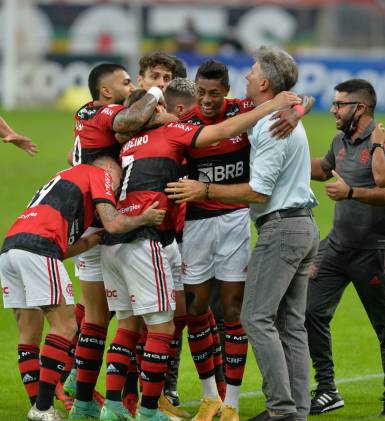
333 269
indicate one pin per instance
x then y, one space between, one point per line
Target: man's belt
283 213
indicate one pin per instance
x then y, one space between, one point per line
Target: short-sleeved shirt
93 132
356 224
280 169
225 162
150 160
60 211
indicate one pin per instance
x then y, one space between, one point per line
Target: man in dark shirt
354 249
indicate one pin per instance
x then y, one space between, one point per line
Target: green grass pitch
356 350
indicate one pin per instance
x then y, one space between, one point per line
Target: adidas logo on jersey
112 369
28 378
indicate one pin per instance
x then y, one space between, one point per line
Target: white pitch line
253 393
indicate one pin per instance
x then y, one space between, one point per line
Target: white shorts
87 264
138 278
30 280
216 247
174 258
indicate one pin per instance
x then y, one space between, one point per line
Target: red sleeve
181 134
245 104
108 113
101 187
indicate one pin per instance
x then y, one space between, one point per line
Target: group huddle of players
111 211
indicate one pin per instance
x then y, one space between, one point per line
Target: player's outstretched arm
131 119
240 123
287 120
115 222
10 136
84 244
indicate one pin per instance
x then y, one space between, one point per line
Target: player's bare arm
137 115
287 120
8 135
155 121
192 190
340 190
378 157
321 170
84 244
240 123
115 222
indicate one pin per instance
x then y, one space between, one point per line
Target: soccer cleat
325 401
264 416
98 398
172 396
146 414
50 414
229 413
69 386
166 406
84 410
115 411
208 409
131 401
61 396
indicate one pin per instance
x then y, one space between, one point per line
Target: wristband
156 92
350 194
207 188
300 108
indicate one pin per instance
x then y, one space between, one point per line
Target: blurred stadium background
49 46
47 49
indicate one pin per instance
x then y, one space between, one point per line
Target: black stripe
159 276
54 276
32 243
164 280
194 139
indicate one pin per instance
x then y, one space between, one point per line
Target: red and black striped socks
154 368
89 358
52 361
29 367
120 357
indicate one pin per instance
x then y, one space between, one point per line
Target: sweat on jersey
93 132
150 160
60 211
226 162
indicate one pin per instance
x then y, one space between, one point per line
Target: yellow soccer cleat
167 407
208 409
229 413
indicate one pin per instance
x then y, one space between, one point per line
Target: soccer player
136 266
95 125
34 276
354 249
156 69
216 243
274 301
8 135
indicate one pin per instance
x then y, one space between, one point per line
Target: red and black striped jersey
93 132
60 211
150 160
225 162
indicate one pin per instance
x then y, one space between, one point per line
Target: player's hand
378 134
153 216
186 191
287 121
285 99
338 190
22 142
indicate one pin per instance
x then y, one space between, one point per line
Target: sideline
253 393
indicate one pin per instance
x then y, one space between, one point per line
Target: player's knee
194 306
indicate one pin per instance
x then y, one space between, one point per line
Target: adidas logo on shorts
112 369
